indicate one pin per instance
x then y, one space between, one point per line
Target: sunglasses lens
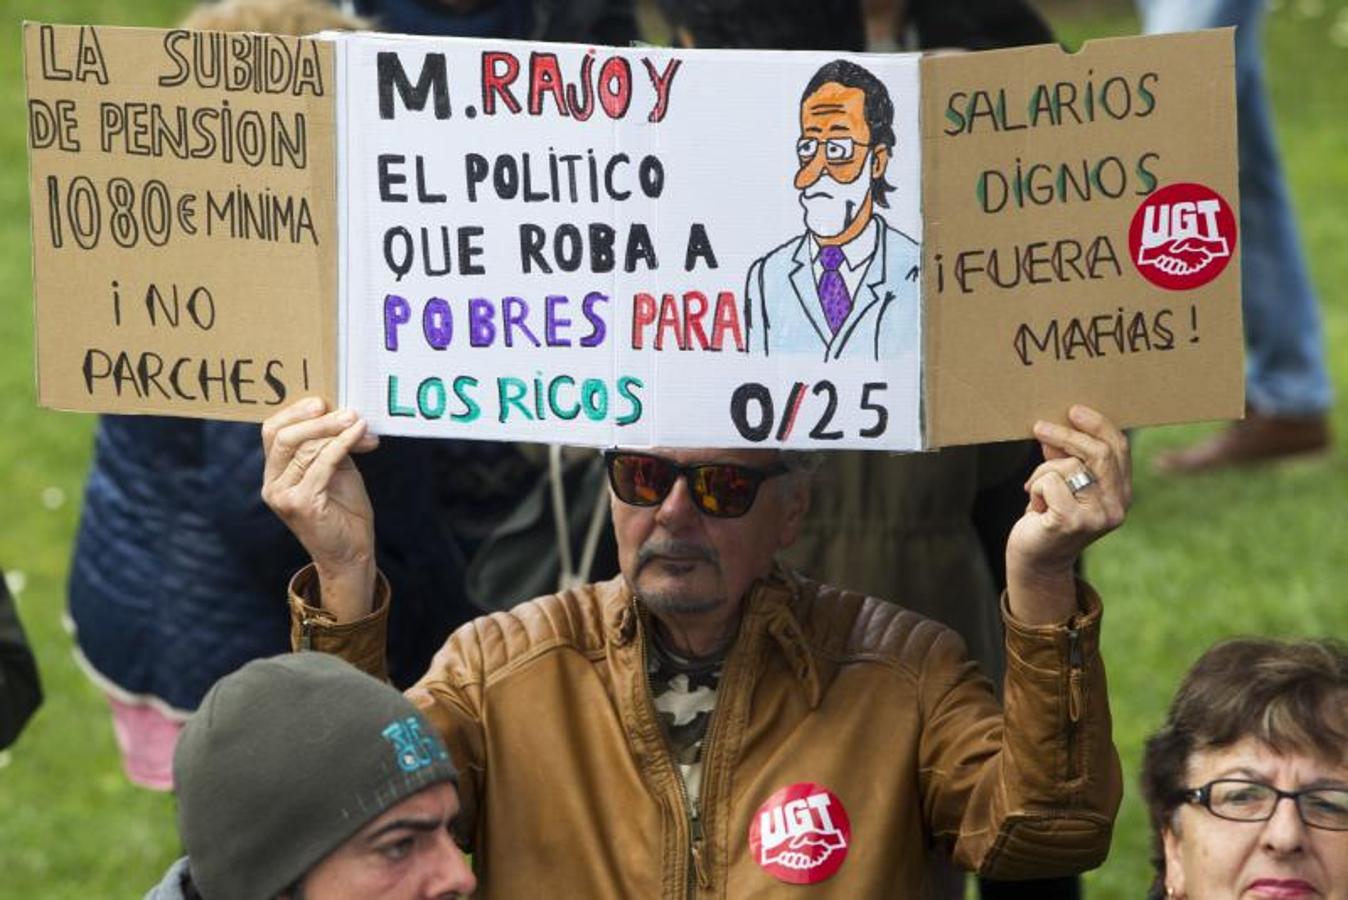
724 490
641 480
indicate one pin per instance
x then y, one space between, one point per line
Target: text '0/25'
754 411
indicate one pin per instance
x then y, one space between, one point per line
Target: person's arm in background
20 688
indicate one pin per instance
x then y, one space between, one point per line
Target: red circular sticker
801 834
1182 236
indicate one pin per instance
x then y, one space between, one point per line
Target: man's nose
677 511
809 172
450 874
1284 833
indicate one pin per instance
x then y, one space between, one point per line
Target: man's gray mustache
681 550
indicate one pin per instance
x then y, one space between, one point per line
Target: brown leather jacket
568 787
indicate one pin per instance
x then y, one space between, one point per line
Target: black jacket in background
20 689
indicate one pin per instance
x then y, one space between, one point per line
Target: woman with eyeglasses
1247 781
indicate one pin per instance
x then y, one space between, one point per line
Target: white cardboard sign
551 242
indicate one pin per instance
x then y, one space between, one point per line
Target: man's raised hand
311 483
1059 523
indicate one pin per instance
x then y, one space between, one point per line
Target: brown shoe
1257 438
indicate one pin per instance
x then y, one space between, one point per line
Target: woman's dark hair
1291 696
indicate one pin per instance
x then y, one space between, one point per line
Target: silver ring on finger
1080 480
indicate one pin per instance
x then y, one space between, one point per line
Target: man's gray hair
801 466
802 462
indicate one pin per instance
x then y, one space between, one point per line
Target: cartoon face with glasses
838 166
848 285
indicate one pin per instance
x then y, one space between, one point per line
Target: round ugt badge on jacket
1182 236
801 834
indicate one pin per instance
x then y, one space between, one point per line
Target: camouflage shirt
684 691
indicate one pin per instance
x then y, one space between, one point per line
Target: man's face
837 161
683 562
405 854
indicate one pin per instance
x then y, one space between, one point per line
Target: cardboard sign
184 222
1052 223
631 247
645 246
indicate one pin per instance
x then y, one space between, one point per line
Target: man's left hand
1059 523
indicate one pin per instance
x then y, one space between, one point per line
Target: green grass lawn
1237 553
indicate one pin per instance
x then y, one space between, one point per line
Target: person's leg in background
1288 391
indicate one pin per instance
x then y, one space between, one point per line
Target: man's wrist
346 592
1041 597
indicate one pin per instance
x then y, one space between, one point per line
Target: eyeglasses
1254 801
836 150
722 490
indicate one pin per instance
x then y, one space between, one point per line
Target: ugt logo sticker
801 834
1182 236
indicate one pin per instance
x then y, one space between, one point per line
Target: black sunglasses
723 490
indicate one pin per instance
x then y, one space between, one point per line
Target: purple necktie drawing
833 295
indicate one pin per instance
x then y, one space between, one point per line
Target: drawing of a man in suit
847 287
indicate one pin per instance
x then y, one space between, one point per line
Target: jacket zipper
307 632
1075 669
698 848
697 872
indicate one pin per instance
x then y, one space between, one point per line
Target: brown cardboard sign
183 218
1079 244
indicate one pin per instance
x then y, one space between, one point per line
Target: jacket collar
774 600
768 609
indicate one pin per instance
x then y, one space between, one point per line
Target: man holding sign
848 286
800 734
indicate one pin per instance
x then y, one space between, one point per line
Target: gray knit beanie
285 760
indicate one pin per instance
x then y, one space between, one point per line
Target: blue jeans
1285 370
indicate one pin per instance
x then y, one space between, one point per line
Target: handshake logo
1182 236
801 834
1187 242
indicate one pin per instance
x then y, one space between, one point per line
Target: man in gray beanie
301 777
